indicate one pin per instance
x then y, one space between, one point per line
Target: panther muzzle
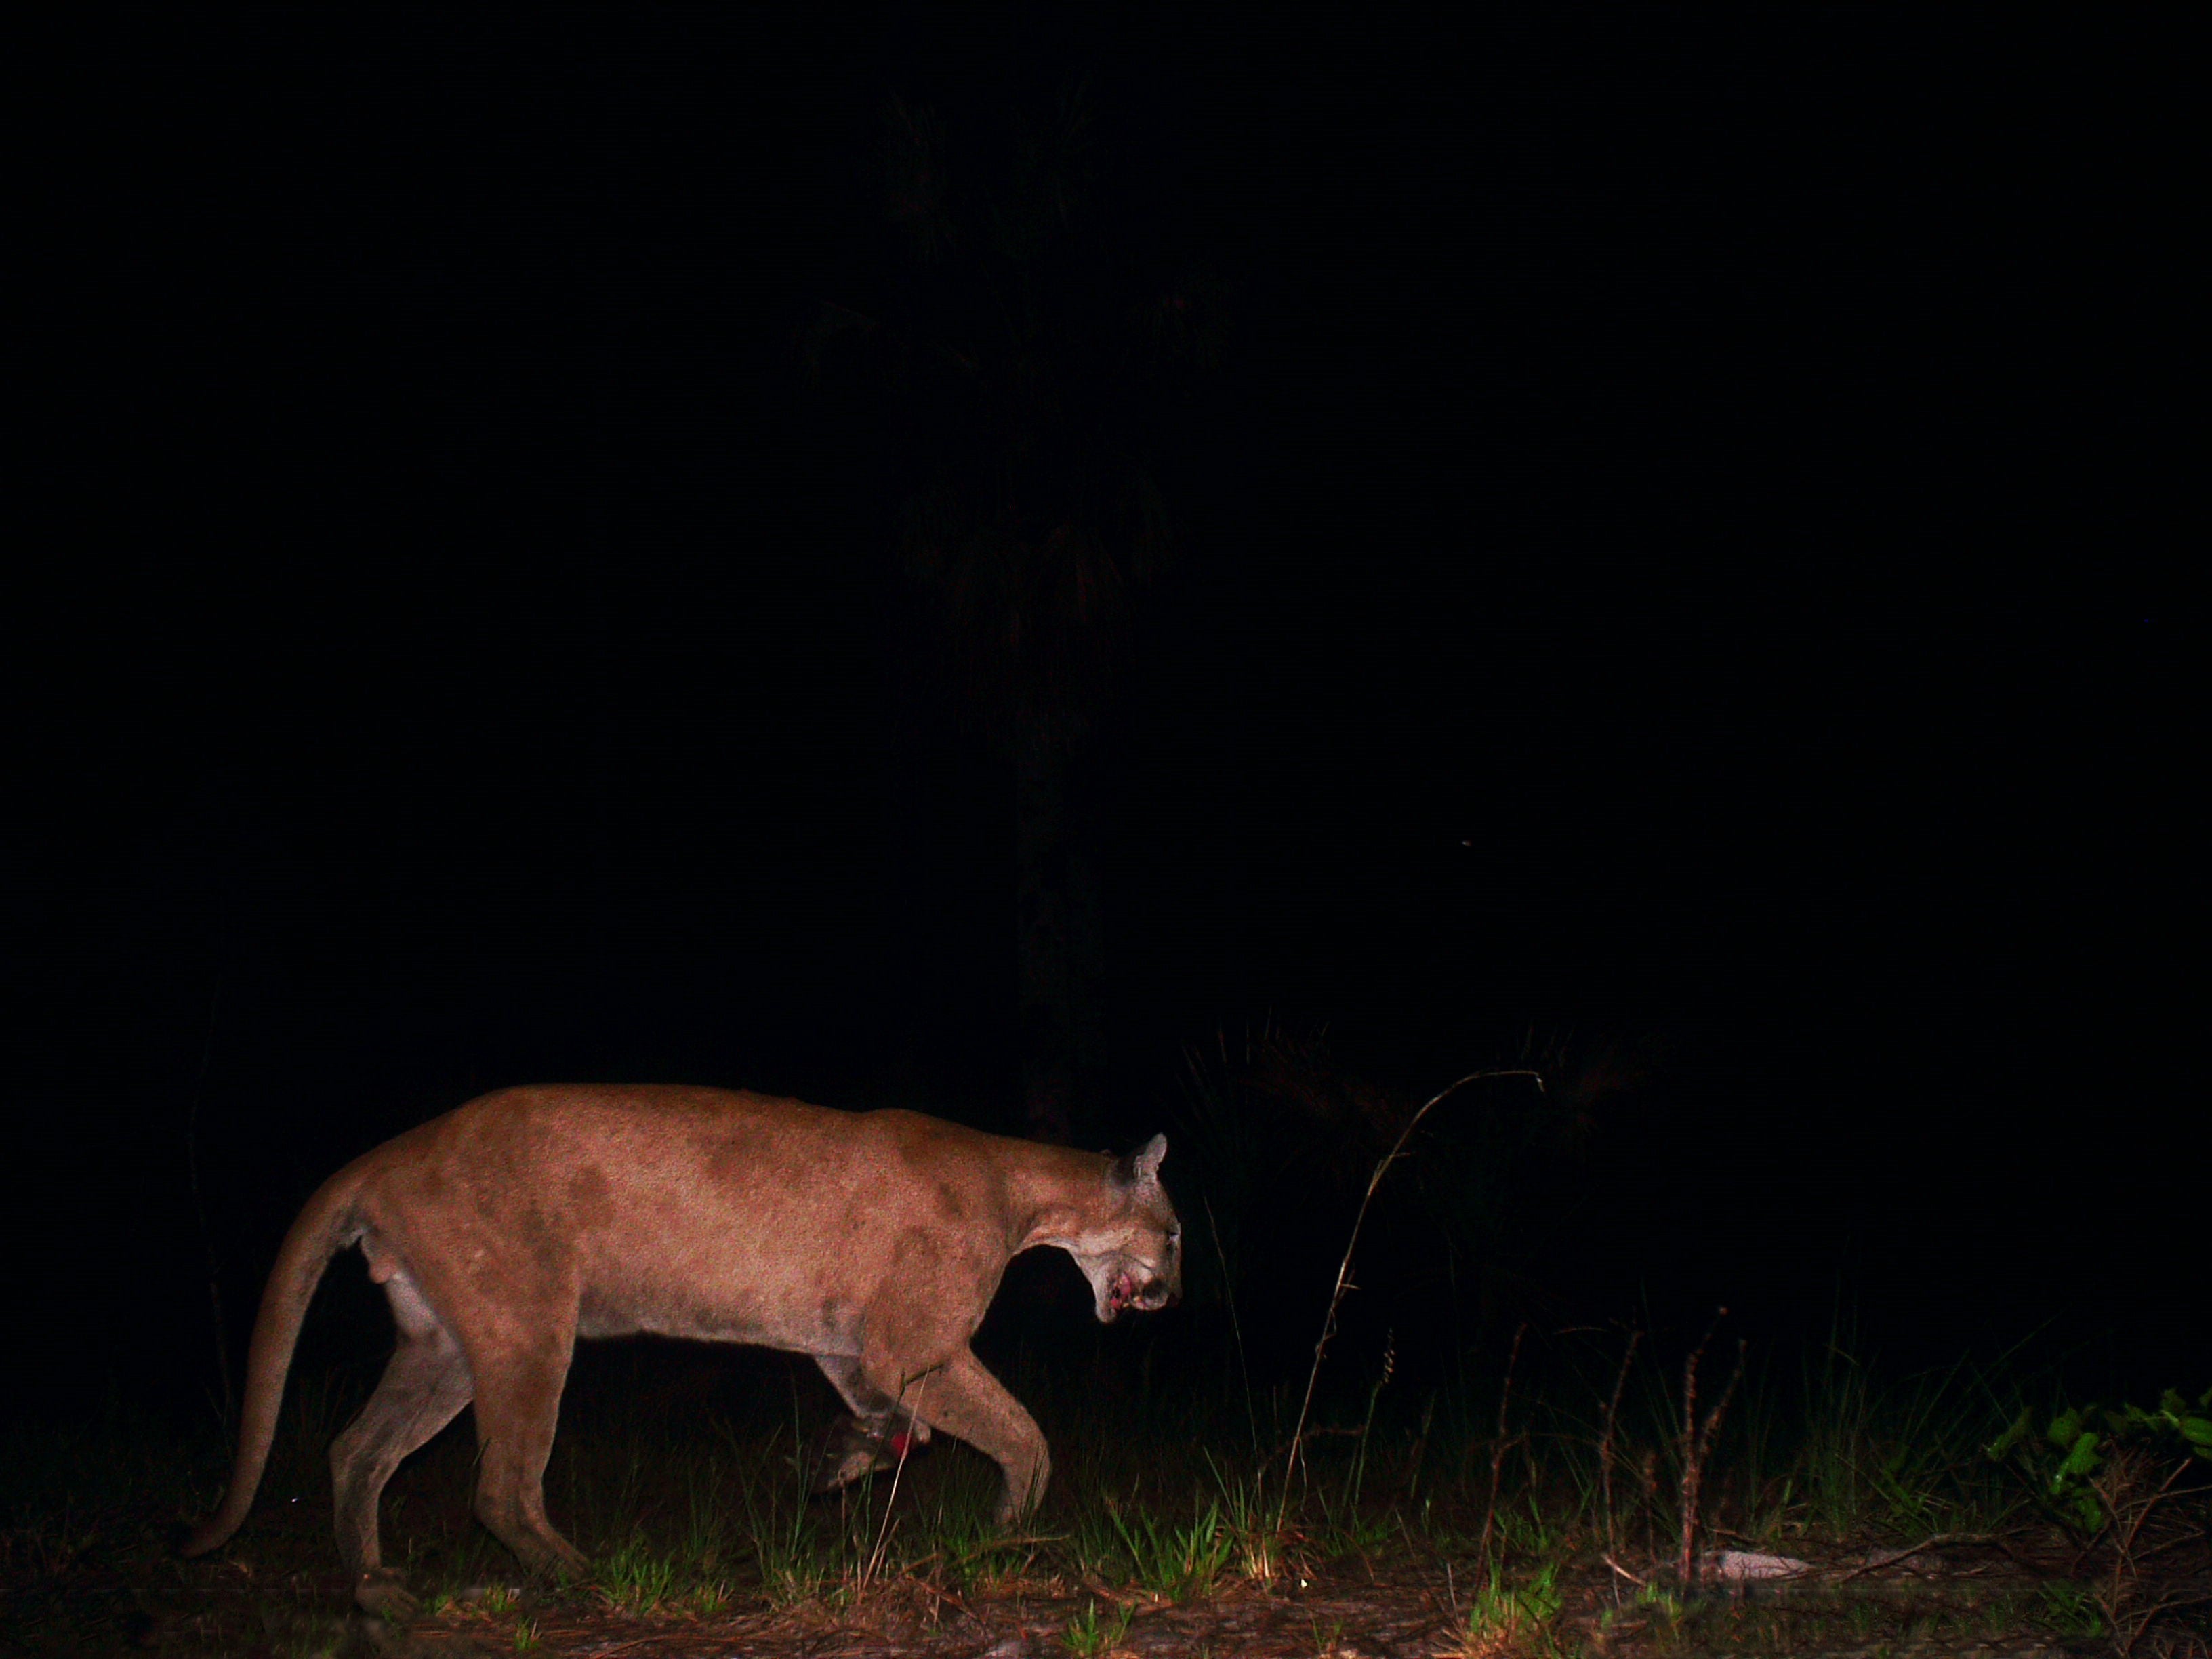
1146 1294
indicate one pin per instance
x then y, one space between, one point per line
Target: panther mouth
1129 1292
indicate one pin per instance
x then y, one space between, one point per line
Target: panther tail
326 1227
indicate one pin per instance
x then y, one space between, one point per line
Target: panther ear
1141 1167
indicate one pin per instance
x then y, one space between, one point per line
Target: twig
1647 1482
905 1445
2165 1604
1939 1541
1120 1598
944 1595
2123 1552
1622 1571
2179 1541
1236 1326
1697 1441
1497 1444
1344 1266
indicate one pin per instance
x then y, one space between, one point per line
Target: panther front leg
968 1403
875 1438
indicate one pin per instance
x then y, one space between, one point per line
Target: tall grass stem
1344 1266
1235 1325
1498 1443
905 1445
1605 1452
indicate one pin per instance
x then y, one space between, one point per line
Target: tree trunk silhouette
1058 945
1034 342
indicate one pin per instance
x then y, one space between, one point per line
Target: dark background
1682 545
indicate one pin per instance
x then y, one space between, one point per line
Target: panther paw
856 1450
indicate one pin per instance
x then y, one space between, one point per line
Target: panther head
1132 1254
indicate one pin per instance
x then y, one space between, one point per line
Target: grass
701 1514
637 1579
1503 1612
1174 1562
1093 1632
1542 1497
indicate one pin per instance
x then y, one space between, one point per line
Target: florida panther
510 1226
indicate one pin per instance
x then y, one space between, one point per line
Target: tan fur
507 1229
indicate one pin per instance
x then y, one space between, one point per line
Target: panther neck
1055 1195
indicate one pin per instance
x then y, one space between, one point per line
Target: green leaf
2081 1460
2173 1404
2013 1436
2197 1431
2064 1428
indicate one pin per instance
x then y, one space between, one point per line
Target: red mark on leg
902 1443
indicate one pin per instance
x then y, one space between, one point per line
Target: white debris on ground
1734 1566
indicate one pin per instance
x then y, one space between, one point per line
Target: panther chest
719 1308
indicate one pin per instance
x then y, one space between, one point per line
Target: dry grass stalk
902 1445
1344 1267
1498 1443
2120 1488
1698 1442
1605 1452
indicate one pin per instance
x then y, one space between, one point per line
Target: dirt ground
1947 1602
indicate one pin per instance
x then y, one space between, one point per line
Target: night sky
1679 540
